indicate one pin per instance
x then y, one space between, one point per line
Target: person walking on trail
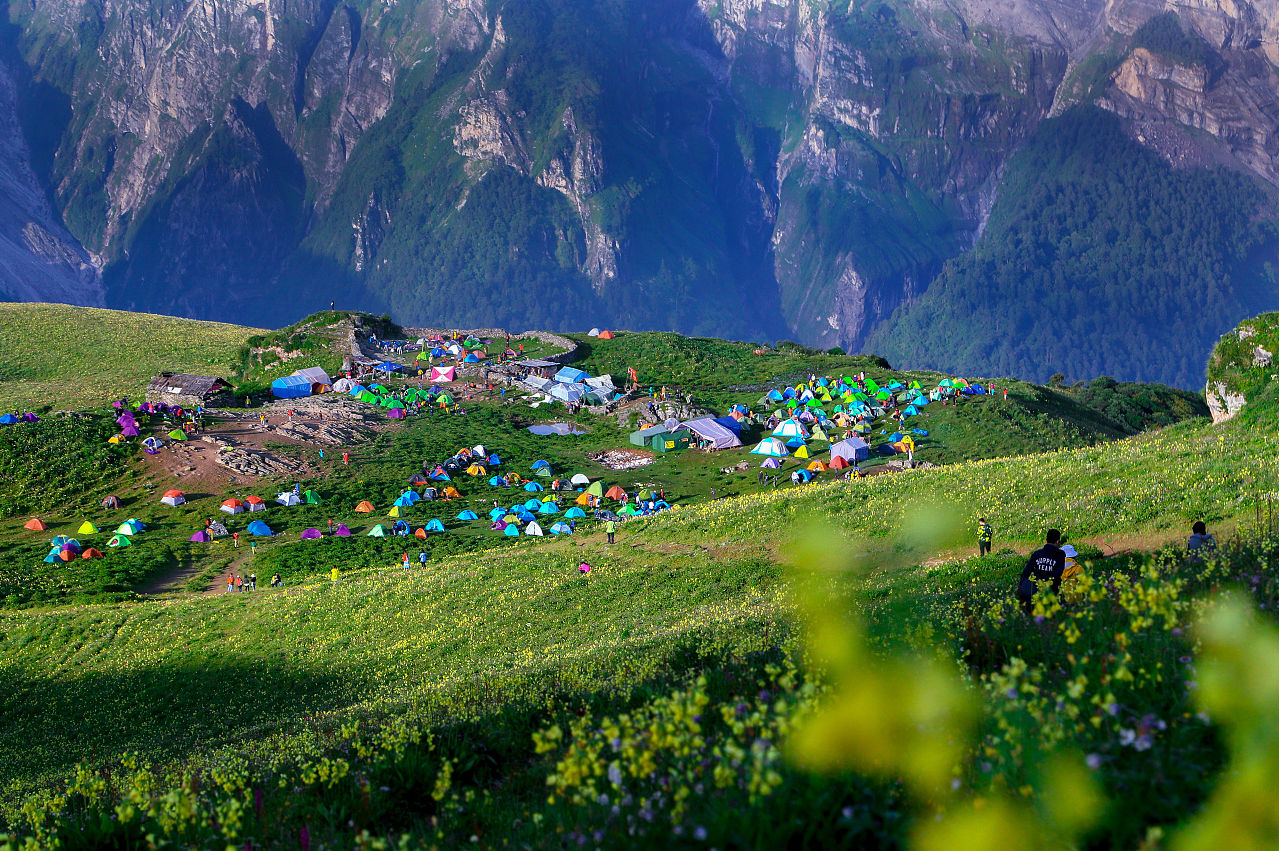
231 582
253 582
240 584
346 458
1200 541
610 528
1045 565
253 548
984 536
235 540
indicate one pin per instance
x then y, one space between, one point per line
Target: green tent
395 404
177 434
312 498
119 541
596 489
368 398
444 399
377 532
545 472
819 434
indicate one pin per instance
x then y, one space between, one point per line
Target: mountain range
1030 187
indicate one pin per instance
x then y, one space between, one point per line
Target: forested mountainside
739 168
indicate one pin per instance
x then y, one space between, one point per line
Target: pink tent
442 373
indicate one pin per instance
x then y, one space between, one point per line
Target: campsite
509 690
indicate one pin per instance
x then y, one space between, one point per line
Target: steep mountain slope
742 168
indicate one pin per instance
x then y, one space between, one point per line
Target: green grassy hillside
73 357
485 649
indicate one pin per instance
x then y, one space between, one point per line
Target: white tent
533 529
772 447
790 428
173 501
343 385
231 509
580 479
851 449
568 392
711 431
603 383
287 498
594 332
315 375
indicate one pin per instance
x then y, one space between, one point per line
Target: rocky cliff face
732 167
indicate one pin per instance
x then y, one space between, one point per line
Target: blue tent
730 423
9 419
291 387
795 442
358 389
388 367
434 525
400 527
524 516
407 500
548 508
920 401
497 514
538 465
533 486
895 437
469 515
569 375
440 476
533 504
911 410
257 527
437 352
575 512
804 475
496 482
774 395
511 531
561 529
494 460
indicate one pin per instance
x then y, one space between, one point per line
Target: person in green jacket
984 536
610 527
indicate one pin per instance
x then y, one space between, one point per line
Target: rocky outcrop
1223 403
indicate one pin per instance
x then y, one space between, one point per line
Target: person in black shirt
1045 565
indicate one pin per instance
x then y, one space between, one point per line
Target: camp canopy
714 433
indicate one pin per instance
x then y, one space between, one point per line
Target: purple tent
124 419
771 463
29 417
342 531
201 537
130 430
397 413
310 534
498 526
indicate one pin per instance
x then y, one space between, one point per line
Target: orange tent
451 492
35 524
253 500
838 463
617 493
66 555
607 335
174 493
420 533
364 507
232 503
816 467
91 553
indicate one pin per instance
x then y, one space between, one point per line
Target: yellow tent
816 467
394 512
87 528
451 492
476 470
802 452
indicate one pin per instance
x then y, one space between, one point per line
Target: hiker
984 536
1070 570
1045 565
609 528
291 415
406 561
1200 540
240 584
276 581
253 548
346 458
331 526
235 540
422 558
760 478
231 582
253 582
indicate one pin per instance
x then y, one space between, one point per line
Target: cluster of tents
397 407
14 419
571 385
66 549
